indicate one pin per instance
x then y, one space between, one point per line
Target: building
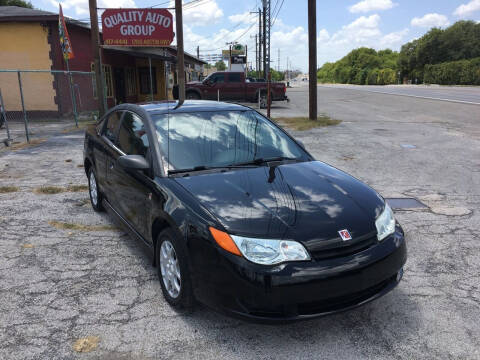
29 40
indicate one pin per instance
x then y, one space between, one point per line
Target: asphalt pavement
94 290
461 94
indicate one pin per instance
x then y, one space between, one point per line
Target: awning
158 54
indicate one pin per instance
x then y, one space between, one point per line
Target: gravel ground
94 290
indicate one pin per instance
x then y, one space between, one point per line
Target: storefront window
144 77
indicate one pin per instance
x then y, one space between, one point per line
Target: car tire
191 95
173 273
94 192
263 101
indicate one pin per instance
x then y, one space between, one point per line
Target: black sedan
238 215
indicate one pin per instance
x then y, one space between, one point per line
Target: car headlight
270 252
385 223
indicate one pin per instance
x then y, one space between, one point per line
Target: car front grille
346 248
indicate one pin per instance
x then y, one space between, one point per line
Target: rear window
234 78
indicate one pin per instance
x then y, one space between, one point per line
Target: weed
304 123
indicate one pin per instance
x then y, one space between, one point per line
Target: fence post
259 105
25 120
4 114
218 94
72 94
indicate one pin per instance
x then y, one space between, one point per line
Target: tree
20 3
220 65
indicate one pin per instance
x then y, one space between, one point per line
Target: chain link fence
32 100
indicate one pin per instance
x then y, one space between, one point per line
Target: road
61 286
464 94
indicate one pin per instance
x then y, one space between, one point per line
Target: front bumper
302 290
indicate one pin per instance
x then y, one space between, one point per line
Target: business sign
137 27
236 50
239 59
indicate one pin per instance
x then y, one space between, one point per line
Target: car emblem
345 235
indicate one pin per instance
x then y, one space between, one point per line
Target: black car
238 215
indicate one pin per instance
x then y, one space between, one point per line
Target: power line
275 17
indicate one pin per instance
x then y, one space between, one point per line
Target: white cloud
393 39
467 9
206 13
371 5
80 7
246 18
430 20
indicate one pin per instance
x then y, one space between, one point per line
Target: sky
342 25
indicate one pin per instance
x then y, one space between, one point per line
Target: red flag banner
137 27
64 37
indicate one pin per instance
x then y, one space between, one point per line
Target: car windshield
221 138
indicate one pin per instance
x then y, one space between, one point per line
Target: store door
119 75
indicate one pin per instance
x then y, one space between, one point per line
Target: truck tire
192 95
263 100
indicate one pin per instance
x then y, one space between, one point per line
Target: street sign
137 27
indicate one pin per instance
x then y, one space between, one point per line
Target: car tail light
284 88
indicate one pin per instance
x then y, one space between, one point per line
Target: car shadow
376 327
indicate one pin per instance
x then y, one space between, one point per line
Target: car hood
308 202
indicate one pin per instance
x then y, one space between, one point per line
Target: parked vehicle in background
2 118
232 86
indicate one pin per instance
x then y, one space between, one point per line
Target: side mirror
133 162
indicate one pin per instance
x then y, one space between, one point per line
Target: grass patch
80 227
24 145
304 123
82 125
8 189
49 190
77 188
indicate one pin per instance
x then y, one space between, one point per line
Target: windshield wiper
203 167
260 161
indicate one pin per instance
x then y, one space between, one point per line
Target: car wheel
173 271
93 190
192 96
263 101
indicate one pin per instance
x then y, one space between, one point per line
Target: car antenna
180 103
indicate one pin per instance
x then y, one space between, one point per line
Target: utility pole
312 60
258 46
264 39
257 65
180 60
278 61
95 38
198 52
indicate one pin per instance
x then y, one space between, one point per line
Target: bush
462 72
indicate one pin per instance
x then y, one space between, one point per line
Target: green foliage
220 65
448 56
20 3
276 75
461 41
461 72
361 66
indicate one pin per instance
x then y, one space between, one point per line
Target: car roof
163 107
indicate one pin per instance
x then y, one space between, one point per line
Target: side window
234 78
132 136
110 131
217 78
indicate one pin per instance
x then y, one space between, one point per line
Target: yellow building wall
160 75
25 46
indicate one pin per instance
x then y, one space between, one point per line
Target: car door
107 131
132 188
214 85
233 89
109 137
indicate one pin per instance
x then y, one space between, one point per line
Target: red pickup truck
225 86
